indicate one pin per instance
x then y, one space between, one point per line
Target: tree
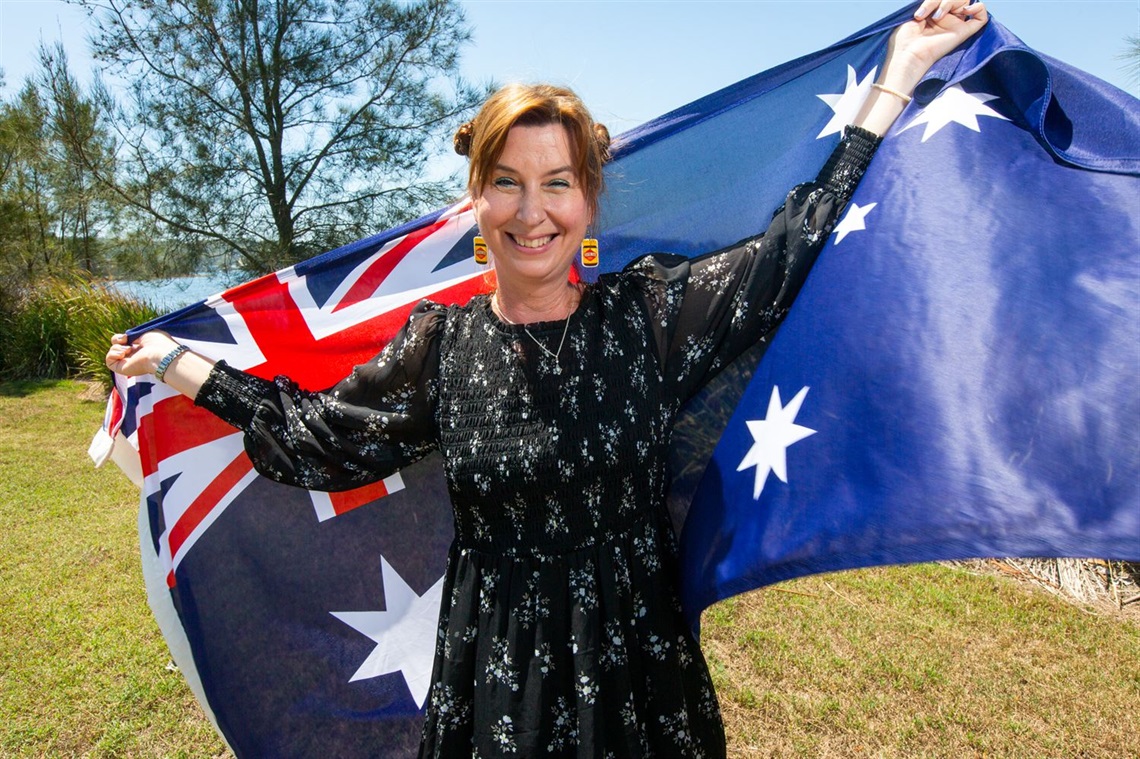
78 150
51 210
1131 58
27 242
280 128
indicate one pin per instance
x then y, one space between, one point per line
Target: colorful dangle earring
589 252
480 250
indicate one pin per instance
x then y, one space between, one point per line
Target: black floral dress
560 631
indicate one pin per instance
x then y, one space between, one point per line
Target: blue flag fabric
959 377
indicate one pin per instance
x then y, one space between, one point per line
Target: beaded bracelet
167 360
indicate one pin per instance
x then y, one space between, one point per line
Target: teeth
538 242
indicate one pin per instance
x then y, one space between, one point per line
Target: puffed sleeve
375 421
707 310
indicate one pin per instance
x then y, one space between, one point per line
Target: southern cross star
954 106
853 220
773 435
847 104
404 633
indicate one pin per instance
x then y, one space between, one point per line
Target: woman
553 404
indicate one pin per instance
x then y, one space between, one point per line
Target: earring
480 250
589 252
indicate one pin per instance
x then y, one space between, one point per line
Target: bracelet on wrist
167 360
882 88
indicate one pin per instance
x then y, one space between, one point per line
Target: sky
634 60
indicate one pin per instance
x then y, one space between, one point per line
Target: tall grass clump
60 328
97 314
33 331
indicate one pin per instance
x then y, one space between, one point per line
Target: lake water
178 292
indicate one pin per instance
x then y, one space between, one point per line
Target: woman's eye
504 183
560 184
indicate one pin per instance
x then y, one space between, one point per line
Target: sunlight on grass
83 663
925 660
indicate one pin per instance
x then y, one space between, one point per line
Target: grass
925 660
928 661
82 665
63 327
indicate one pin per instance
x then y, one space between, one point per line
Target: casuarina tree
273 129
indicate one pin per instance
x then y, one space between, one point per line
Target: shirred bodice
563 453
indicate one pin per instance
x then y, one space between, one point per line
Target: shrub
35 334
61 328
96 314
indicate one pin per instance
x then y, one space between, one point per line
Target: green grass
923 661
82 665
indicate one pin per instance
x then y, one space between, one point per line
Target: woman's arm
938 27
723 302
186 373
708 309
375 421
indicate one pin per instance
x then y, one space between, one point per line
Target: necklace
553 354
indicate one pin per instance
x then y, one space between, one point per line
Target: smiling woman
535 178
533 213
553 405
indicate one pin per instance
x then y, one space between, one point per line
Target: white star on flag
853 221
773 435
954 106
404 633
846 105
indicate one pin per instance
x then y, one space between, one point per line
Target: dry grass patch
922 661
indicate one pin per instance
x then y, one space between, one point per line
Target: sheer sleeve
707 310
375 421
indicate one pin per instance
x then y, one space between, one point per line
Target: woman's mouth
533 243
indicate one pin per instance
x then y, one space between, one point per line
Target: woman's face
532 211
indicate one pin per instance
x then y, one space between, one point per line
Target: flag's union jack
192 465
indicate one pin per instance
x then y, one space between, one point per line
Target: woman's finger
937 9
963 9
944 7
925 9
976 11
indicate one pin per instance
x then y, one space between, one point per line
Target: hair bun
602 135
463 137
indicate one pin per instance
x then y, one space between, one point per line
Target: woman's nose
531 210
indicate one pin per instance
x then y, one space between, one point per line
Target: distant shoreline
173 293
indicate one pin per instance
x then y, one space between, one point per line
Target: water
178 292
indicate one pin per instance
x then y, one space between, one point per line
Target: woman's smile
533 244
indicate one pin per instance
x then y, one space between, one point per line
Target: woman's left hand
938 27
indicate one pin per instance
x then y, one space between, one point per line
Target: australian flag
959 377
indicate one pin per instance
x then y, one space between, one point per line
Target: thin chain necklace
553 354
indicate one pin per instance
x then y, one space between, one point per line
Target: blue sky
632 61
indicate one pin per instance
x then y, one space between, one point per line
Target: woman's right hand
186 373
141 355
